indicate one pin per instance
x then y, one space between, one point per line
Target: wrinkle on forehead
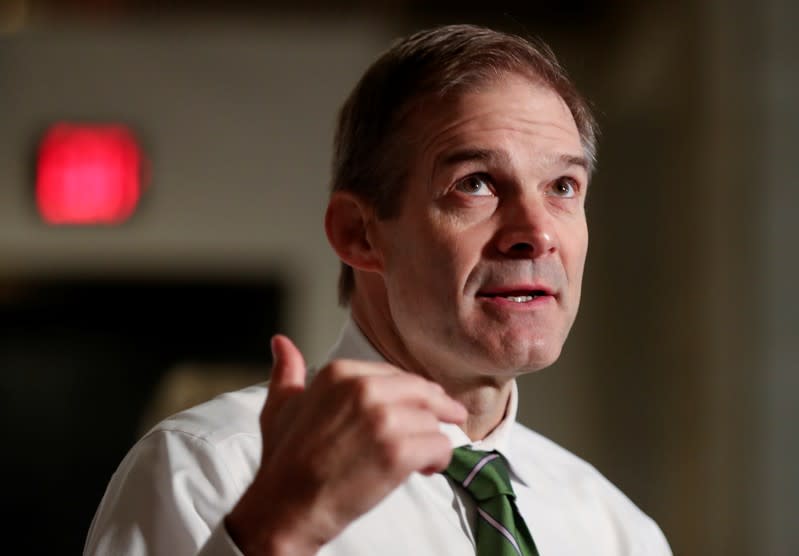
477 129
513 105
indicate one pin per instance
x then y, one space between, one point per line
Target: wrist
265 527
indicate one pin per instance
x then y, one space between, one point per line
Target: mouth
522 294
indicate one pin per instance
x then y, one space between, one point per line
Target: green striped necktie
500 528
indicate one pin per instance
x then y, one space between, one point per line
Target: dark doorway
79 360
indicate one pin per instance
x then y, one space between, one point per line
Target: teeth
519 298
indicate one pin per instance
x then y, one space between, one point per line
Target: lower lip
535 303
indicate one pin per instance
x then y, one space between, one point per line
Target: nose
527 230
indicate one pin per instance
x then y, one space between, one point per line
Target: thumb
288 369
287 380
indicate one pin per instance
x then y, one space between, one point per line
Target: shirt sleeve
168 496
220 543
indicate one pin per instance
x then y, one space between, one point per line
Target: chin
520 359
538 364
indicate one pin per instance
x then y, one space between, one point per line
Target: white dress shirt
173 489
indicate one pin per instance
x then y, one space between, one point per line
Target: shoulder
536 454
537 458
579 486
223 432
530 448
179 479
217 420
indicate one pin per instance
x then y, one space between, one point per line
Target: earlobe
347 223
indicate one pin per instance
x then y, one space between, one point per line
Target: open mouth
516 296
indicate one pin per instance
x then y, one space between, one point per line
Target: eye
477 185
565 187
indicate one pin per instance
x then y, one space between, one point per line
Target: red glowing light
88 174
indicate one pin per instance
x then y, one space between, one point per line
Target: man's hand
334 450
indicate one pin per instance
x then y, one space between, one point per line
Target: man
461 167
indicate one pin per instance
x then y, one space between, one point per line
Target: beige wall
778 399
679 379
237 122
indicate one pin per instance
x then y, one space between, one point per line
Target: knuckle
380 421
335 370
335 374
415 381
430 423
392 455
363 390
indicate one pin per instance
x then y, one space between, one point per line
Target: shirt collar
498 439
352 344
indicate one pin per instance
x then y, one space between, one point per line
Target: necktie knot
484 474
500 529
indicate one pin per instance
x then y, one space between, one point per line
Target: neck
486 398
487 406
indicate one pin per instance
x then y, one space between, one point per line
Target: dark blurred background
679 380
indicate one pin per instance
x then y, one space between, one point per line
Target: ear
347 223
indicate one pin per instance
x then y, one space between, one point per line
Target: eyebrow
571 160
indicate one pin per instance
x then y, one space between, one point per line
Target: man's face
483 265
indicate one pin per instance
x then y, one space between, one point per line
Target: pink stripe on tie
498 526
477 468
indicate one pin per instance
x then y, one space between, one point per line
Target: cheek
575 264
463 241
432 256
454 256
577 246
423 280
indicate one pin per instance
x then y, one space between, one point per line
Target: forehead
514 112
